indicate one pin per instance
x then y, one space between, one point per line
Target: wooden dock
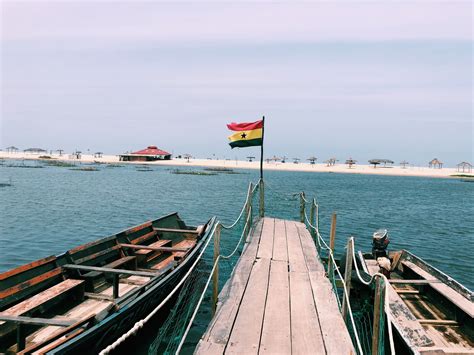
278 300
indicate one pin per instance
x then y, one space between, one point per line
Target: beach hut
404 164
351 162
150 153
464 167
11 149
312 160
435 164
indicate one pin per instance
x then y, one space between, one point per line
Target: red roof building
151 153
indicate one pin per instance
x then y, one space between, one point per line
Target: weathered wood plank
108 270
36 321
31 282
296 257
329 316
306 336
311 257
230 297
171 230
453 296
245 335
153 247
280 248
276 332
26 267
265 248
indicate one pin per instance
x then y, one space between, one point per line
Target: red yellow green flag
246 134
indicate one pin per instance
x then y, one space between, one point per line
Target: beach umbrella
312 160
351 162
404 164
250 159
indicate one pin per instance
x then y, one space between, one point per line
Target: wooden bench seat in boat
461 302
42 300
144 255
27 280
185 243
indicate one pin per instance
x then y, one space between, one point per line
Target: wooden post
248 208
116 285
302 207
311 217
317 217
20 337
262 199
215 277
347 277
378 304
332 242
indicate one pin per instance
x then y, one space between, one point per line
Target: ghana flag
246 134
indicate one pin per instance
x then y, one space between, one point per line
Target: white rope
249 196
386 305
241 235
138 325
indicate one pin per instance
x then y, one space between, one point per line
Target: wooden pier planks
278 300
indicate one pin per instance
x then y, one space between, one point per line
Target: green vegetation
59 164
190 172
86 168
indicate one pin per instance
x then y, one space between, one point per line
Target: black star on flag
243 135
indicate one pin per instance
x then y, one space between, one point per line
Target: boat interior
45 302
431 312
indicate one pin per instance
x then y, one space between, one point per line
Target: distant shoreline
276 166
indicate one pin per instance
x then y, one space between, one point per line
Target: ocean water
52 209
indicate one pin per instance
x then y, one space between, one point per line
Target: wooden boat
431 312
84 299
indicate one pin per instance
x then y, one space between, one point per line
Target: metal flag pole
262 191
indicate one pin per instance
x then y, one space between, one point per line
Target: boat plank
306 337
265 248
453 296
245 335
280 249
276 332
296 258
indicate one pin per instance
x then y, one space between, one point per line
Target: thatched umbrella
312 160
435 163
250 159
351 162
187 157
404 164
12 149
296 160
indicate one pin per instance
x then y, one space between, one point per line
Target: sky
373 79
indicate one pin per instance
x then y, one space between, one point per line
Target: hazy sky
381 79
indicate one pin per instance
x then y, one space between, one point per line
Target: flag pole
262 192
261 148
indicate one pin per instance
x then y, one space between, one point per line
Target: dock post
332 242
215 277
347 277
262 199
302 207
311 218
248 208
378 314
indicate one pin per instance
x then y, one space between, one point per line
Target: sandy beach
239 164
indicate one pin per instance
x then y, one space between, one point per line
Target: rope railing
332 262
213 274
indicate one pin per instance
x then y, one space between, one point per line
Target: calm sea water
52 209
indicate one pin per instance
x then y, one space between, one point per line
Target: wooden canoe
84 299
431 312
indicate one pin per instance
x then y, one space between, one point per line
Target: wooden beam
147 247
36 321
407 292
171 230
58 335
109 270
414 282
438 322
98 296
347 277
332 242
